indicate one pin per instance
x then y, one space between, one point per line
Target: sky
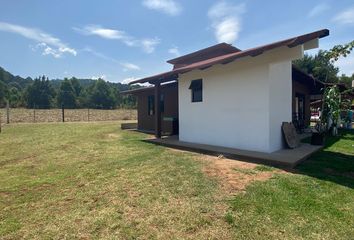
121 41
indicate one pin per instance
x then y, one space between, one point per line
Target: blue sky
125 40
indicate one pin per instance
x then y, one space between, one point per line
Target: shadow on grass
335 162
330 166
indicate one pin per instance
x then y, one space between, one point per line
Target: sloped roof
227 58
209 52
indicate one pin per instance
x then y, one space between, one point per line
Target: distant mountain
14 81
27 92
20 83
84 82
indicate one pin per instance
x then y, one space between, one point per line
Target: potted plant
330 115
318 137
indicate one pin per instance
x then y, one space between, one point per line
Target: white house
228 97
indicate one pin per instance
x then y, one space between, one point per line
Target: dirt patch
113 135
17 160
234 175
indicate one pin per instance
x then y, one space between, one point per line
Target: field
23 115
94 181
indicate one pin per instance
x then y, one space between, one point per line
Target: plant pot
317 139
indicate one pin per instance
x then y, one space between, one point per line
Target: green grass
94 181
316 202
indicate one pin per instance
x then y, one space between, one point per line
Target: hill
26 92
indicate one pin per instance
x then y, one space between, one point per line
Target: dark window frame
162 103
196 88
151 105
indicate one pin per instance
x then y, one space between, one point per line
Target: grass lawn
94 181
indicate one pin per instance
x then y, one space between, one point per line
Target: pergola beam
157 110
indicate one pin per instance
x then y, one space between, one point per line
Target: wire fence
35 115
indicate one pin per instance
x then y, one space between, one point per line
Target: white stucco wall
244 102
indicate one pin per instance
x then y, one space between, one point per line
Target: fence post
62 112
34 113
7 112
88 114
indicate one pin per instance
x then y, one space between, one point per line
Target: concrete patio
285 158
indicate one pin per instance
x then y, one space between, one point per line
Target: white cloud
227 30
50 51
318 9
148 45
345 17
100 55
102 32
126 65
174 51
49 44
129 66
226 20
169 7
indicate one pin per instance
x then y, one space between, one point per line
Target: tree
14 97
66 95
101 95
339 51
76 85
40 93
332 104
346 80
331 108
319 66
3 93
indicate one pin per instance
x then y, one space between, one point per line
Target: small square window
196 88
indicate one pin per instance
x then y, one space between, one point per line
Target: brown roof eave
143 89
227 58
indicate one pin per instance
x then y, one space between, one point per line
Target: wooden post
88 114
7 112
34 113
157 110
62 112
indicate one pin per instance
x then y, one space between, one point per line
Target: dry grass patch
233 175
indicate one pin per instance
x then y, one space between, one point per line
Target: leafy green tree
346 80
339 51
76 85
15 97
43 93
66 95
84 98
40 93
3 93
319 66
101 95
